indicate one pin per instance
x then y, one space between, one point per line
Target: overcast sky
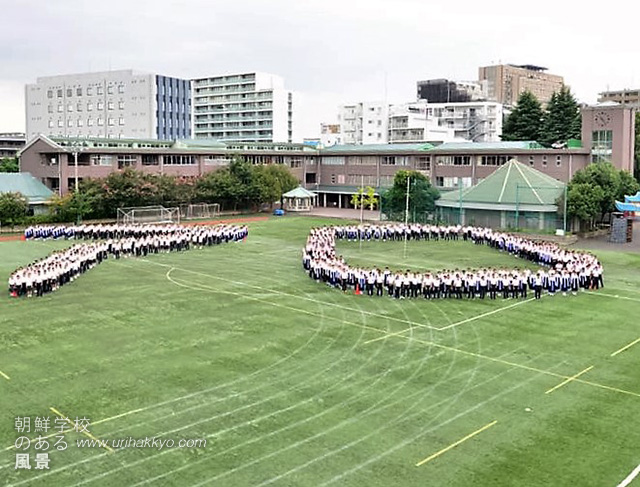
328 52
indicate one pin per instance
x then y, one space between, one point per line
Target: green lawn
296 384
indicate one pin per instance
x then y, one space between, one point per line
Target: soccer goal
200 210
148 214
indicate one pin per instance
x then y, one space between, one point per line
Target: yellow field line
625 347
5 375
453 445
389 335
569 379
86 433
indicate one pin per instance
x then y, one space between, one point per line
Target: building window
126 161
80 122
89 90
60 93
149 160
601 146
79 107
423 163
50 108
493 160
70 107
110 90
333 179
531 160
110 105
60 123
100 122
69 123
49 93
100 105
544 161
69 92
60 108
90 122
440 181
50 123
121 121
558 160
78 91
110 121
120 89
120 105
99 90
101 160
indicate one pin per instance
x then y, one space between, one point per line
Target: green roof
505 145
299 192
25 184
514 183
346 149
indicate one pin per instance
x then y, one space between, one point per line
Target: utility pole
362 199
406 216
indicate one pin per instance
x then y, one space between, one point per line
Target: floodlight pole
362 199
406 216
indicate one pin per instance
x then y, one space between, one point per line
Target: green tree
357 199
282 178
584 202
9 164
422 196
525 121
13 208
614 184
370 200
562 120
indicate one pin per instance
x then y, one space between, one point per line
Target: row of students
564 270
64 266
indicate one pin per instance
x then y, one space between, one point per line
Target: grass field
295 384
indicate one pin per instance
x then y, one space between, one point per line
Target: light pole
76 147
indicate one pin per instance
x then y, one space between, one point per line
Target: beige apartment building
505 82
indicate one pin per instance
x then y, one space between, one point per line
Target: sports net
148 214
199 210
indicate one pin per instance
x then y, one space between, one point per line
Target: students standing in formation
63 266
563 270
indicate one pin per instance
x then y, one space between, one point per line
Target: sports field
292 383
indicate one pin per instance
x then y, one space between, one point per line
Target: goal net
199 210
148 214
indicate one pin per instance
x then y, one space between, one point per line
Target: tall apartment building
410 122
246 107
447 91
473 121
364 123
11 143
111 104
505 82
624 97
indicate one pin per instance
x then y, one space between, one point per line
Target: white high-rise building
473 121
409 122
119 104
364 123
247 107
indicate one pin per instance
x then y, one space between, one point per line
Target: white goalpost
148 214
200 210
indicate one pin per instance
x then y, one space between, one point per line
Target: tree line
239 186
558 122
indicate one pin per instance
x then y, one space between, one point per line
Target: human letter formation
64 266
561 270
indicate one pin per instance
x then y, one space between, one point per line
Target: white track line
616 296
489 313
630 477
282 293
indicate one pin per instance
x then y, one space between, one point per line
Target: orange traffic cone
358 292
